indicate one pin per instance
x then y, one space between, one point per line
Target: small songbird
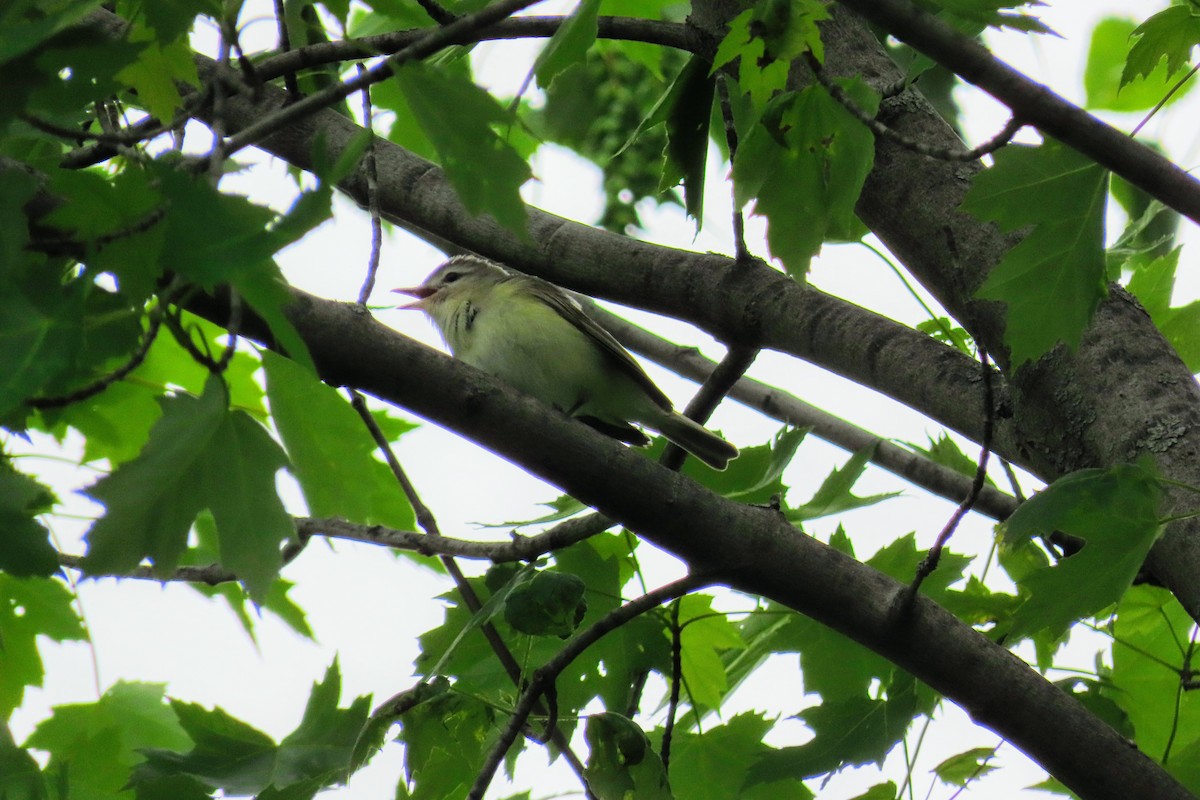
534 336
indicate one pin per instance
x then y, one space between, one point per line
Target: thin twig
99 385
429 524
233 326
741 252
285 44
1158 106
208 574
930 562
437 12
427 45
732 367
1013 483
879 129
364 294
108 145
66 245
184 338
519 548
215 161
676 684
633 29
545 675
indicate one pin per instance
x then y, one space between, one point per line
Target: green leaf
549 604
226 752
688 109
172 19
569 44
1153 283
621 763
25 548
880 791
206 550
232 756
704 635
200 455
755 476
454 649
766 38
22 31
714 765
20 775
320 748
959 770
944 331
41 334
849 732
445 740
1150 632
806 159
835 495
900 559
98 744
1106 63
606 564
1054 278
1170 34
458 117
945 451
1115 512
29 608
242 254
331 450
156 74
1093 695
834 666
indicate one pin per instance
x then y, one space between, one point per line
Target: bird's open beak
422 293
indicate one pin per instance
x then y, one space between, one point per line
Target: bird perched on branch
536 337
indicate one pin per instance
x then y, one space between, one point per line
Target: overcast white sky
368 607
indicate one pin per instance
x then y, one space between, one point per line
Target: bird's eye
451 277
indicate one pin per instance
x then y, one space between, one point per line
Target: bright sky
368 607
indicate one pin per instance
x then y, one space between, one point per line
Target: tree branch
1036 105
789 409
1121 394
750 549
632 29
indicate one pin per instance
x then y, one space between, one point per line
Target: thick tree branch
748 548
1122 394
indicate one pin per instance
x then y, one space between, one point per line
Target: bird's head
457 277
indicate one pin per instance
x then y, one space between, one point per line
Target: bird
537 338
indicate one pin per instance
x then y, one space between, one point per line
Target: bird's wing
568 309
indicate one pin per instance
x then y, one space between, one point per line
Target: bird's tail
697 440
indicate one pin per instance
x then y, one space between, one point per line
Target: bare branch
930 562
